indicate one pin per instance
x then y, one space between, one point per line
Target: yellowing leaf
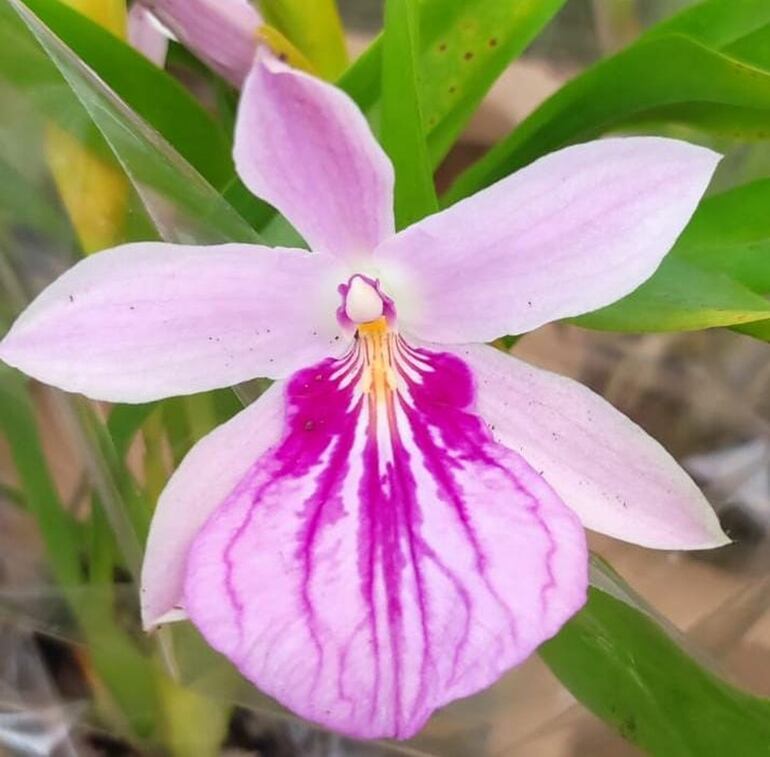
94 191
284 49
111 14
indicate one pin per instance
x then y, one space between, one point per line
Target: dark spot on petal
452 89
442 47
72 299
468 55
493 42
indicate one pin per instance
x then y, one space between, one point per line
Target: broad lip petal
572 232
305 147
387 556
223 33
205 478
151 320
617 478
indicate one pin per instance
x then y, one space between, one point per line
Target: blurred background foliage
99 146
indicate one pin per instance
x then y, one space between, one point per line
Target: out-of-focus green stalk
126 511
617 23
125 693
194 725
57 527
184 721
202 415
155 469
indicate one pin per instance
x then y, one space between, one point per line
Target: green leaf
714 276
403 132
465 46
625 668
183 206
758 330
730 233
626 86
754 48
314 29
715 23
148 90
681 296
632 87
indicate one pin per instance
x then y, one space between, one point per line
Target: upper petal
223 33
574 231
305 147
616 477
150 320
205 477
387 556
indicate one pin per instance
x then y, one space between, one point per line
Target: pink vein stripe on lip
387 556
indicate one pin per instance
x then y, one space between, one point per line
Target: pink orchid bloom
146 36
223 33
400 518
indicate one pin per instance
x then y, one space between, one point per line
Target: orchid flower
146 35
223 33
399 519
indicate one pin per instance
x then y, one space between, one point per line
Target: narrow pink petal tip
616 477
150 320
387 557
570 233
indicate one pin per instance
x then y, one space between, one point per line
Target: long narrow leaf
621 664
148 90
403 132
626 85
182 205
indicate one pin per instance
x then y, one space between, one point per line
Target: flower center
364 302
